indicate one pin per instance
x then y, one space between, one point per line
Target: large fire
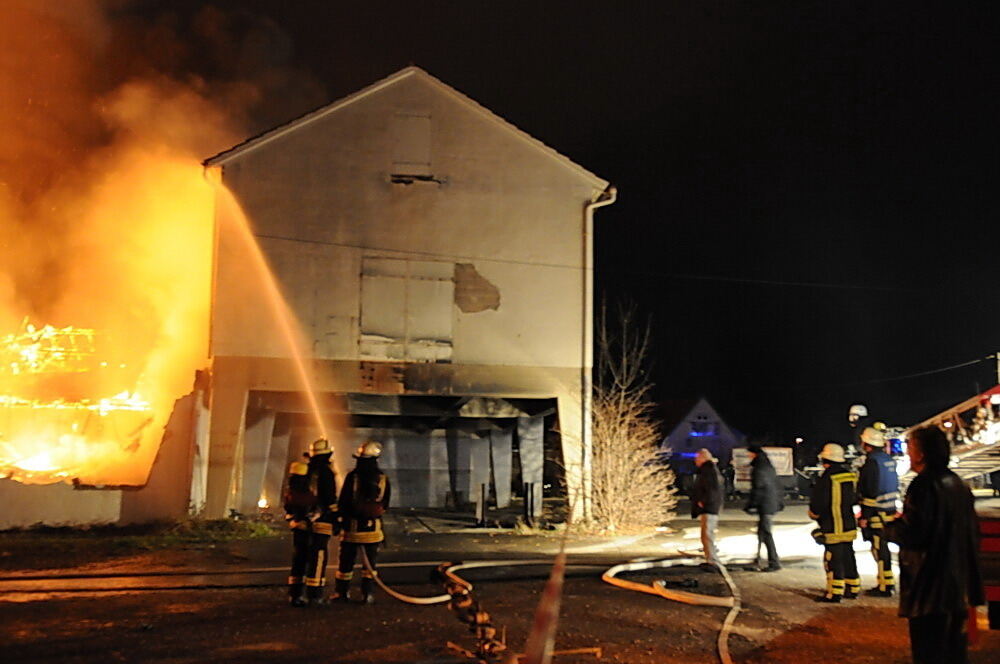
106 232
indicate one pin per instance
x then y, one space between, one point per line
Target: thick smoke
105 217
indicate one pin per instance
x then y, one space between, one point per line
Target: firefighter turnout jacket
832 504
323 484
362 516
878 486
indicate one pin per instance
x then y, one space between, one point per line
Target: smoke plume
106 220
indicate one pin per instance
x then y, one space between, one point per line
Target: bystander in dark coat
765 501
938 542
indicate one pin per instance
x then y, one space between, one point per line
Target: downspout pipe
606 197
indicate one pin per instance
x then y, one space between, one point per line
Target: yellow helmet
320 446
873 437
832 452
298 468
370 449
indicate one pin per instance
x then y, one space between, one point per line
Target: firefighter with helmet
857 420
325 522
300 509
364 498
878 490
832 506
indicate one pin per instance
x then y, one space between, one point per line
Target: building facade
438 263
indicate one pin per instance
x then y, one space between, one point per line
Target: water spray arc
232 221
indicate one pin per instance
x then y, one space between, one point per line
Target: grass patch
51 546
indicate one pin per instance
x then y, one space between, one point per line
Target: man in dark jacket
938 537
706 502
765 502
832 505
878 489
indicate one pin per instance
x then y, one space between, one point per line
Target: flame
106 232
45 440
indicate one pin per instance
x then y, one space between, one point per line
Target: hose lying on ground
659 588
479 621
698 599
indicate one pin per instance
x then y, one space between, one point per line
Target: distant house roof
681 413
279 131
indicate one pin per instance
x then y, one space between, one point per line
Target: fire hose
461 601
491 643
660 589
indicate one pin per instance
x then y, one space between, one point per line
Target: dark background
807 189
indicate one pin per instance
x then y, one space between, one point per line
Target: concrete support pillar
575 435
256 452
457 467
531 444
229 405
479 466
500 454
201 417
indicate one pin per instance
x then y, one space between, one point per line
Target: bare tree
631 487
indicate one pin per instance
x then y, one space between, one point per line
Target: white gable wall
508 208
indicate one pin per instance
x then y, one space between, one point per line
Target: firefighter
878 490
323 484
364 498
857 421
832 506
300 509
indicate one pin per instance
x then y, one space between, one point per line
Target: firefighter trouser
301 541
345 570
875 533
841 570
322 530
939 638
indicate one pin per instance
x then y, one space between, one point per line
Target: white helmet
859 410
832 452
370 449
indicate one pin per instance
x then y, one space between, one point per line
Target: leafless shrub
631 489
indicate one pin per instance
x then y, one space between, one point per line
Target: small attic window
411 146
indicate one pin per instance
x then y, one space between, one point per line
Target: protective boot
367 591
340 588
314 595
295 597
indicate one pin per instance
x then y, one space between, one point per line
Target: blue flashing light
687 455
698 434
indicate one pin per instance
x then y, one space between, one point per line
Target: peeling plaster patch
473 292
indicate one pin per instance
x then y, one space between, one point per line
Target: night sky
807 189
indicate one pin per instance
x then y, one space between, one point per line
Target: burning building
401 264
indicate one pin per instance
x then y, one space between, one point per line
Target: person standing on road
765 501
832 506
300 508
706 502
323 484
878 489
364 498
938 537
